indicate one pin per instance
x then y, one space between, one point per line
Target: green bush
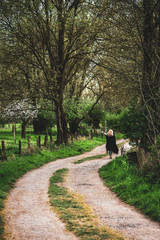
96 116
113 121
44 121
134 125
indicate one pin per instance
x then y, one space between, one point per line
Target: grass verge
124 178
77 215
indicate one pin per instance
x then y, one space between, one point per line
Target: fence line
3 156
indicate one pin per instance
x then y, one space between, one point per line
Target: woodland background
67 63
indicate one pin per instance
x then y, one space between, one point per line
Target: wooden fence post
71 138
20 148
45 140
91 134
14 133
3 146
39 141
3 152
51 138
96 133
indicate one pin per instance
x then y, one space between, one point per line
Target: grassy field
132 186
12 148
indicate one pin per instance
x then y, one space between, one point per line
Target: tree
57 36
45 118
96 116
119 58
150 81
130 53
20 110
82 96
134 124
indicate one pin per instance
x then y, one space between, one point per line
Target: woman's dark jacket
111 144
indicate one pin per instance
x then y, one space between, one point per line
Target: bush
44 121
95 117
113 121
151 167
134 125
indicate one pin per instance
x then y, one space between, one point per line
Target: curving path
28 214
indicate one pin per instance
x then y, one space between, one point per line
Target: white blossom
22 109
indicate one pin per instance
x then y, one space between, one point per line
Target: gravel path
29 216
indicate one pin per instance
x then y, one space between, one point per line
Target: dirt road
28 214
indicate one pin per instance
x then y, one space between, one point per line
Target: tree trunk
62 130
147 48
157 76
147 79
74 124
151 64
23 133
24 125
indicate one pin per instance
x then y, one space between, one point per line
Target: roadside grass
77 215
132 187
14 168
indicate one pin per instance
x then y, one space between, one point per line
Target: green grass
77 215
12 148
90 158
15 167
132 187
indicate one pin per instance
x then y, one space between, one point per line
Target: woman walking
111 143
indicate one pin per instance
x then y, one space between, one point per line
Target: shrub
134 125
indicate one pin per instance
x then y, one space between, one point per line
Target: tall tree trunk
157 75
151 65
74 124
147 47
62 130
147 79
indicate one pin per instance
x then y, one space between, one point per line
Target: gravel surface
28 214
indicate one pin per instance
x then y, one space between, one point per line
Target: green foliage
75 108
134 125
132 186
113 121
96 116
44 121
